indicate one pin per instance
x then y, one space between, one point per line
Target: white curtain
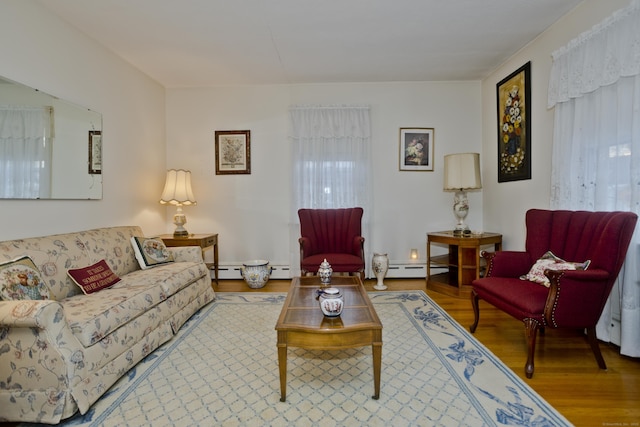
595 89
331 163
25 152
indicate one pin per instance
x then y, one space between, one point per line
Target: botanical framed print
233 152
95 152
416 149
514 125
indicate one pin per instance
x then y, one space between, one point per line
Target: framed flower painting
233 152
416 149
514 125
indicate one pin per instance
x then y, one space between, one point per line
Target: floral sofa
61 354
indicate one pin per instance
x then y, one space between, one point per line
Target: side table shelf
462 262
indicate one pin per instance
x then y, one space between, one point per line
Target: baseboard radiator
397 270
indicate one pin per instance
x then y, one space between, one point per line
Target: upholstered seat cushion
519 298
339 262
93 317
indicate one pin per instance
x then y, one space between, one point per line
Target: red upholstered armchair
574 298
334 234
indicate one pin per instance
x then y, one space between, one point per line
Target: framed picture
514 125
233 152
95 152
416 149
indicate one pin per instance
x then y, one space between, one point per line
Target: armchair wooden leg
595 347
530 332
476 311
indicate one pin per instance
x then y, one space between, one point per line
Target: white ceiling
199 43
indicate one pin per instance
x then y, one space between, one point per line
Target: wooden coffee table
302 324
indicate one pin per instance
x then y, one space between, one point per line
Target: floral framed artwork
514 125
416 149
233 152
95 152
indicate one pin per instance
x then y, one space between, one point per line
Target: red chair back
330 230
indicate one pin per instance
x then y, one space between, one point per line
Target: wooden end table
204 241
462 261
302 324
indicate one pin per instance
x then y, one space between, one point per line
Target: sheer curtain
25 152
595 89
331 163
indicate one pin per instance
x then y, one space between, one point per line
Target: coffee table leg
377 366
282 364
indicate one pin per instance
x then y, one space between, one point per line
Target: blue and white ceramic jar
331 302
325 271
256 273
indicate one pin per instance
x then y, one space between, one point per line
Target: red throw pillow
94 277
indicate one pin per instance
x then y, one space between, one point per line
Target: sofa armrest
38 350
186 253
358 246
305 247
507 263
576 297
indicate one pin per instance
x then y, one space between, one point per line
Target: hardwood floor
566 372
567 375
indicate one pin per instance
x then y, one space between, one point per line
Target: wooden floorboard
566 373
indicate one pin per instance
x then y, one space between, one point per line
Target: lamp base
180 219
460 210
461 232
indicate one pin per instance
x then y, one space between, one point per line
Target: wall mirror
49 148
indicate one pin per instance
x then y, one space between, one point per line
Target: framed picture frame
233 152
514 125
95 152
416 149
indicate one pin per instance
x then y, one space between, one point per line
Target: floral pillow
94 277
150 252
549 261
20 280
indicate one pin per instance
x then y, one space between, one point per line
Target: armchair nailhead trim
555 301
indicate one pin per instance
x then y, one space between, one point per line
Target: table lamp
177 191
461 173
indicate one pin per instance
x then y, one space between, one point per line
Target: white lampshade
462 171
177 191
177 188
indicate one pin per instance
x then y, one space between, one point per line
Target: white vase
380 265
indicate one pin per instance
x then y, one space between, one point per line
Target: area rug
222 370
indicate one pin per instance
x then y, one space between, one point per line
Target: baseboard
396 271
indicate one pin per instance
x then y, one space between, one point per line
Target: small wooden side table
205 241
463 261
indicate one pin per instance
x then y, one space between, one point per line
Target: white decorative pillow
549 261
150 252
20 280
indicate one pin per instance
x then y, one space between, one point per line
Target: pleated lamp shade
177 188
462 172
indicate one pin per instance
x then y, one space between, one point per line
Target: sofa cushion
20 280
150 252
93 277
549 261
95 316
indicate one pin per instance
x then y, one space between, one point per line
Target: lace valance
598 57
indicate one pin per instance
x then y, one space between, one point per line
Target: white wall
505 203
251 213
43 52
